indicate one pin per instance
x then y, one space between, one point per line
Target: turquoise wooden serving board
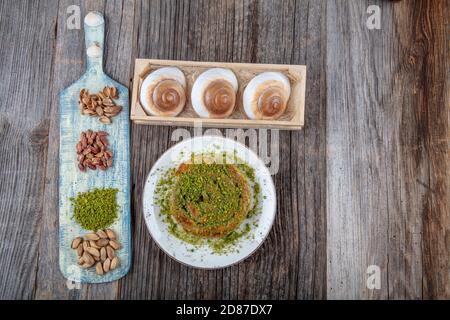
72 180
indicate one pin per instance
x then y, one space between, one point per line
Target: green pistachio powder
96 209
226 244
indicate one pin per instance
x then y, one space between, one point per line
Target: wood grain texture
25 92
433 88
387 141
290 264
366 181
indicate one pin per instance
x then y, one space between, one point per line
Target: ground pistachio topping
96 209
205 202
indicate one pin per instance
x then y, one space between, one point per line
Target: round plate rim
273 215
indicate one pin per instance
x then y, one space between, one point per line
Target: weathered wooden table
366 182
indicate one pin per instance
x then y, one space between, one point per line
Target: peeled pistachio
111 234
76 242
110 252
87 265
99 268
114 244
94 252
105 120
80 250
88 259
92 236
93 244
102 242
97 249
107 265
103 254
102 234
85 245
114 263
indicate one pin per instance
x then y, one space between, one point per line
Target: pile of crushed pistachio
96 209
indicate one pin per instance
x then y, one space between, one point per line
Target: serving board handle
94 33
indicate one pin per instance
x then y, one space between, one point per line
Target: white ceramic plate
204 257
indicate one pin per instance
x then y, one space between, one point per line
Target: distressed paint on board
73 181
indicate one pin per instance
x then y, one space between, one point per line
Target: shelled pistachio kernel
99 253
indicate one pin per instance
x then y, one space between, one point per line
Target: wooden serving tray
292 119
72 180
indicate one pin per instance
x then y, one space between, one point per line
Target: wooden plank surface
387 143
365 182
285 264
25 100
